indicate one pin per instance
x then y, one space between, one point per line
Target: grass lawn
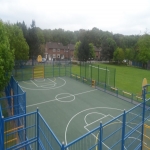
128 78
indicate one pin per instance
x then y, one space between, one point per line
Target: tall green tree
128 54
76 49
92 51
143 49
84 51
108 48
33 41
6 57
17 42
118 55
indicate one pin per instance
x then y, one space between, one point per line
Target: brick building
57 51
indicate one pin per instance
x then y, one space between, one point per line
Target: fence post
100 136
53 67
143 114
98 74
80 68
117 92
123 129
37 128
114 77
105 78
85 69
59 67
63 146
2 129
70 68
65 68
17 101
91 73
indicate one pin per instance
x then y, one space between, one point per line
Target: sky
128 17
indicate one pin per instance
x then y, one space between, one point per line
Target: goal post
104 76
99 73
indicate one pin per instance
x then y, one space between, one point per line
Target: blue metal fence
1 129
15 101
30 131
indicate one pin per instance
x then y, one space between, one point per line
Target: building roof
55 45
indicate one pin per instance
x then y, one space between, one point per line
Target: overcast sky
117 16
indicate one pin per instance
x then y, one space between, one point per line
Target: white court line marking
95 121
86 92
91 113
39 80
96 137
44 85
84 111
27 82
51 80
128 125
34 83
59 98
90 109
41 103
46 88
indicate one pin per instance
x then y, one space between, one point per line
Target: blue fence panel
147 109
1 130
133 127
89 141
20 131
112 129
46 137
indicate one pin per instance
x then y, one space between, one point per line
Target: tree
6 57
108 48
84 51
92 51
17 42
33 41
143 49
76 49
118 55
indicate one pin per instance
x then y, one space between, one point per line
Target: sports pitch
70 107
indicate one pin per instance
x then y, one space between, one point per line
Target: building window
54 50
58 50
54 55
58 55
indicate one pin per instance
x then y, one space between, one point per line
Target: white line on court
82 112
34 83
41 103
60 98
51 80
46 88
27 82
96 121
96 137
89 114
86 92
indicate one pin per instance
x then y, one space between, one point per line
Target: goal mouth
105 72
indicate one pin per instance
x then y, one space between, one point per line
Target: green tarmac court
72 108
